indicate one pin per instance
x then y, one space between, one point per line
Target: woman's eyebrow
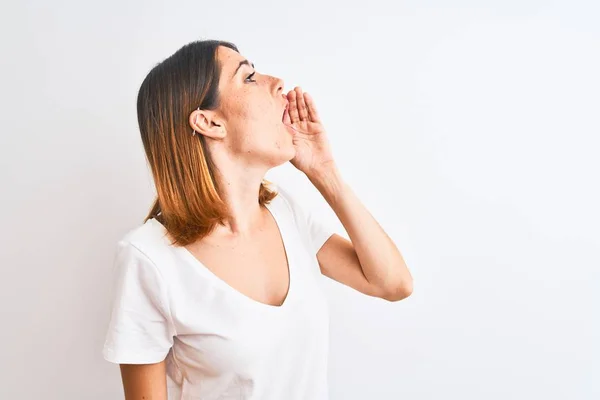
243 62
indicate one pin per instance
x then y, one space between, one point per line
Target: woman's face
251 111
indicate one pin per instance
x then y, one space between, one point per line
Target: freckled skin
250 113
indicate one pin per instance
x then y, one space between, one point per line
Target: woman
216 295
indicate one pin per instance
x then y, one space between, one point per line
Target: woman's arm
370 262
144 381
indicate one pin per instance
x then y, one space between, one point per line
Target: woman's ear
204 122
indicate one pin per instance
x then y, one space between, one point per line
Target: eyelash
250 76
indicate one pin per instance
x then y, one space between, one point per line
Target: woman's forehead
231 62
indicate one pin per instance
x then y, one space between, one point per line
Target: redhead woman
216 295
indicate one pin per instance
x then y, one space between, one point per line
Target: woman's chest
219 329
235 343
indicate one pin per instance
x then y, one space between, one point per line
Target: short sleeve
140 330
314 227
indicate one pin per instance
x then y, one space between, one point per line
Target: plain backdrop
469 129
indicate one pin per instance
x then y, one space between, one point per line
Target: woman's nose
278 85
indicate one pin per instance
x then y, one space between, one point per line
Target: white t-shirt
219 343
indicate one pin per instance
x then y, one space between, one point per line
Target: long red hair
188 203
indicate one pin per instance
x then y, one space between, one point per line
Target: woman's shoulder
149 241
285 198
311 222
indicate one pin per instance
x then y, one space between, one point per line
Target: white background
470 129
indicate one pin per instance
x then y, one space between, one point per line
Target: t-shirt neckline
226 286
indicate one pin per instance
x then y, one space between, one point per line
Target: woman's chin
288 152
283 152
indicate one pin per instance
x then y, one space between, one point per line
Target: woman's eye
250 76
